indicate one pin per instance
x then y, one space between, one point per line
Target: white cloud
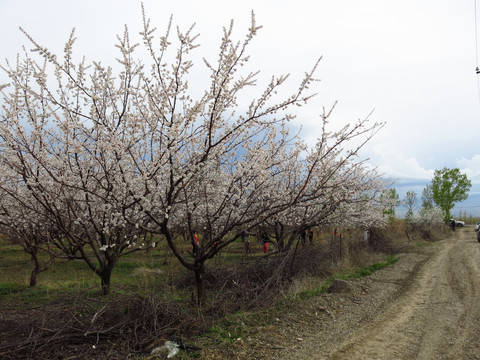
471 167
393 164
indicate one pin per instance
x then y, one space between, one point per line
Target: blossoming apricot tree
114 155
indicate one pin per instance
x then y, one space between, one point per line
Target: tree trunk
200 283
105 276
279 236
293 258
36 269
34 276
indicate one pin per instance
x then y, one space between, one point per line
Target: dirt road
425 307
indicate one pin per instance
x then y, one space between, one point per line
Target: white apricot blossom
116 155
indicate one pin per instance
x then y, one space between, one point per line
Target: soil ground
426 306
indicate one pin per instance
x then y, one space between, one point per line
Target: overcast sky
411 61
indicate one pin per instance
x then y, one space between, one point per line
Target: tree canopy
410 202
109 157
448 187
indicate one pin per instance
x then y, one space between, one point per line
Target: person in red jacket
264 242
195 244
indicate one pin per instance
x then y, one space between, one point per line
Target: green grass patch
9 288
306 294
367 271
144 272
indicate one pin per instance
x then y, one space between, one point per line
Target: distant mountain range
471 206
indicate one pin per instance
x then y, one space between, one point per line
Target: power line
476 35
477 70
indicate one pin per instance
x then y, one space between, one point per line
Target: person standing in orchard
264 242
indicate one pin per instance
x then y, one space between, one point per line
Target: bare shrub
84 328
430 232
252 285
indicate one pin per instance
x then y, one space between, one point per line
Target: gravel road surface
427 306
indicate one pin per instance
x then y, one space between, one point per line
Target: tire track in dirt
467 332
437 316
